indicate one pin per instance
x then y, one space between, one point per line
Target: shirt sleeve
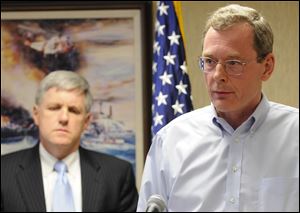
154 175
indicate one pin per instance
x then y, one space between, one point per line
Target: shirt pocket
279 194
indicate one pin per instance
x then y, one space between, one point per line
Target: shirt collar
251 124
260 113
49 160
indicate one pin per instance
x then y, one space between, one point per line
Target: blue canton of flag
171 90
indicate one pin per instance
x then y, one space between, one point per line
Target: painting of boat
103 50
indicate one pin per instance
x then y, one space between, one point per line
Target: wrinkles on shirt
199 166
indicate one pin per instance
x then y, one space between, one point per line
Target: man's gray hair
232 14
65 80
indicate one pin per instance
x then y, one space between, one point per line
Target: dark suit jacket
108 183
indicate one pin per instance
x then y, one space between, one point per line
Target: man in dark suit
91 181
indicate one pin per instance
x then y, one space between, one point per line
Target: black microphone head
156 204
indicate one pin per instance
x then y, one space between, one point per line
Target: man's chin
223 106
61 142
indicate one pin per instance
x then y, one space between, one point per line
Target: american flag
171 90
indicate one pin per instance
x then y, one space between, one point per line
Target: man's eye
232 63
209 61
52 108
74 110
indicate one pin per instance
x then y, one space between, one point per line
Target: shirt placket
234 172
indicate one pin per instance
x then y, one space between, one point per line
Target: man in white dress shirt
241 153
95 182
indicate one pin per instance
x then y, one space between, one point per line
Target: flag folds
171 89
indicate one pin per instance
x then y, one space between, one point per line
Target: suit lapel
30 181
91 183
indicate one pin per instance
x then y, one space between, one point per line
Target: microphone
156 204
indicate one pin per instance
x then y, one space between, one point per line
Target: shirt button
234 169
232 200
236 140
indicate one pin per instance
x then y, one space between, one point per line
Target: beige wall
283 17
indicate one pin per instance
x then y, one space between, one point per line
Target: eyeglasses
232 67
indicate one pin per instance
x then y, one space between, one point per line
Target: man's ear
269 63
88 120
35 114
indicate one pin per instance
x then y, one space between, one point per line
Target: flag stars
158 119
170 58
177 107
166 79
169 69
181 88
184 68
154 67
157 24
161 29
161 99
174 38
156 48
163 9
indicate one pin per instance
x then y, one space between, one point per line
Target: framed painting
109 43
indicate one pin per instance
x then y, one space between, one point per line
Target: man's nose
64 116
220 73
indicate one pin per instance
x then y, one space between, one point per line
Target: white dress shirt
198 162
49 177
